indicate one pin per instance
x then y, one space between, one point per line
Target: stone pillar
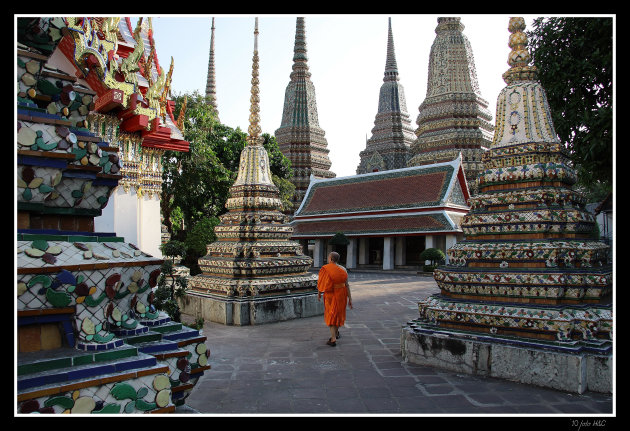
388 252
401 251
351 256
363 250
428 243
451 239
318 254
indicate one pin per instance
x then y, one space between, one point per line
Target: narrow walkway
286 367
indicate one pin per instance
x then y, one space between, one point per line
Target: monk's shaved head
334 256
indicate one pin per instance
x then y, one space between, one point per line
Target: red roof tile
373 225
422 186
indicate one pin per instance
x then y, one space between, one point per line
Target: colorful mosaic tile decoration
392 135
528 270
90 339
253 256
299 136
453 118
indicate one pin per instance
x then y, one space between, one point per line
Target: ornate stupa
528 294
299 136
90 338
211 90
388 148
453 118
253 273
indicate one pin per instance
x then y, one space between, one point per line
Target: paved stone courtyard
286 368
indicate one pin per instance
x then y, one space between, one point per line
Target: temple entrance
375 251
343 253
339 243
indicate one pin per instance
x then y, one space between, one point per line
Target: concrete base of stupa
570 368
251 310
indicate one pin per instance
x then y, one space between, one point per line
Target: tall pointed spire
529 274
388 148
253 258
391 69
211 92
300 56
254 167
254 130
299 136
453 118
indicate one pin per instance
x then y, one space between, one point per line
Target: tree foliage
574 61
196 184
339 239
435 255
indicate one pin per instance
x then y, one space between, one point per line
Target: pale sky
346 58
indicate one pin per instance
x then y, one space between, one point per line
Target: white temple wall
149 225
135 219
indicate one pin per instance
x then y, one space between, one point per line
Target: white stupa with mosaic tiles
253 273
527 296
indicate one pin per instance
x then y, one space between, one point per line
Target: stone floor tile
486 398
381 405
416 404
374 392
286 367
309 405
347 405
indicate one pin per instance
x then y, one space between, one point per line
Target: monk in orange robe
333 284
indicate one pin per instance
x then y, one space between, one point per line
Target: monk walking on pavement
333 284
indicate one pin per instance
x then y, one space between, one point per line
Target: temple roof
121 66
425 199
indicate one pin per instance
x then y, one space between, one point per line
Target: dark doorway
414 246
375 254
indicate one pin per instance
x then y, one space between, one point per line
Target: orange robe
332 283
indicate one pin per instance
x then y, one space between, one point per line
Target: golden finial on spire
254 130
519 57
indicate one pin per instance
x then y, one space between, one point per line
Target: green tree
574 61
435 255
195 182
